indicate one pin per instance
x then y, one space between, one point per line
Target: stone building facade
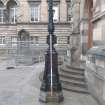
32 15
95 73
92 22
86 26
98 22
88 21
75 38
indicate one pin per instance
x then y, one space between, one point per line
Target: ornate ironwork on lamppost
51 89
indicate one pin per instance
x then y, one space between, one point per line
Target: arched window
1 12
12 11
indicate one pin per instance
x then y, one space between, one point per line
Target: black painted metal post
51 89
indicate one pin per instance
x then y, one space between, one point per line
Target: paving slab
21 86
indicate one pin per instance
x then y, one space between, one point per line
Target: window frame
35 40
35 6
13 15
14 40
68 9
2 17
58 6
2 40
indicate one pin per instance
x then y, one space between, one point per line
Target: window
1 15
2 40
13 17
37 39
34 39
12 11
68 39
68 12
14 40
55 13
1 12
35 13
61 40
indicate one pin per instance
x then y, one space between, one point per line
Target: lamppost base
47 97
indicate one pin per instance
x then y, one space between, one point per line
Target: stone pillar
90 26
76 15
83 29
75 43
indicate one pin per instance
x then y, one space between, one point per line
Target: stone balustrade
95 73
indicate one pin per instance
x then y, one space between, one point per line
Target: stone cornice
44 23
75 33
39 23
7 24
34 0
54 0
98 16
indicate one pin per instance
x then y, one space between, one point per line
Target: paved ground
20 86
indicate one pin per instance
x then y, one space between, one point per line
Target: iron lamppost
51 89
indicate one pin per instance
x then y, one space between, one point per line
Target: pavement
21 86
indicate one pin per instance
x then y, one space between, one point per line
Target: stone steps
72 71
73 79
74 68
72 82
71 76
74 89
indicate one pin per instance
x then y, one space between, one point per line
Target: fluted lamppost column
51 89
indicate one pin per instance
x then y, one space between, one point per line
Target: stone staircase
73 79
